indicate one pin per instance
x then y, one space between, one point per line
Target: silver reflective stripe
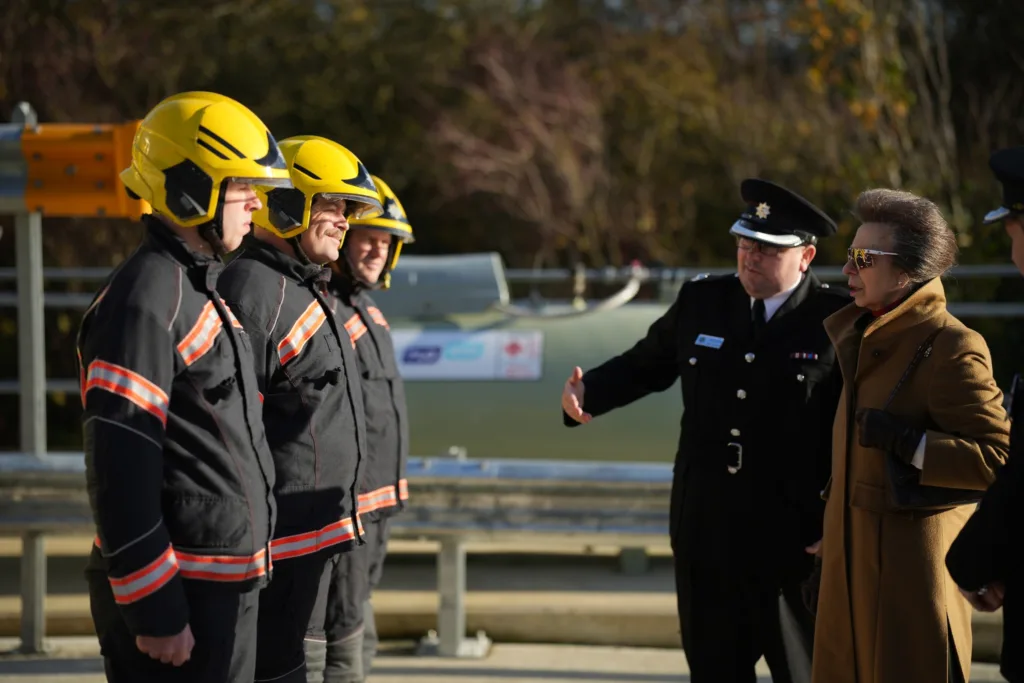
146 581
128 384
310 542
222 567
375 500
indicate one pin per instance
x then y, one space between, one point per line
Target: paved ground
574 595
75 661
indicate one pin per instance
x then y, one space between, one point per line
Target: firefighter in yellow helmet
307 373
369 255
178 470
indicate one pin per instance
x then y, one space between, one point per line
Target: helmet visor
266 183
285 207
355 206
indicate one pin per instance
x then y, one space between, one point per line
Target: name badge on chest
709 341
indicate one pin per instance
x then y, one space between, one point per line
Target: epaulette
700 276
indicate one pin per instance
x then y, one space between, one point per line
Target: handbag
906 493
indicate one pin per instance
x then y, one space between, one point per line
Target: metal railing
453 500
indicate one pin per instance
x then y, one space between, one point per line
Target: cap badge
394 212
763 210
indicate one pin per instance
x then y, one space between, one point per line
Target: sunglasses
747 244
862 258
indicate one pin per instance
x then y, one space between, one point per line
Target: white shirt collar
773 303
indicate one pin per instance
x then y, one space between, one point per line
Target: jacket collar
287 265
203 270
161 236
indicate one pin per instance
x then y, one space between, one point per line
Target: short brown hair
926 246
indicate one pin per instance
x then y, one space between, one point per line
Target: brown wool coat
885 594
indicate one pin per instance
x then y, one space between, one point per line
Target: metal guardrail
605 275
453 500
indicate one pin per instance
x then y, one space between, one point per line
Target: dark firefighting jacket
312 401
383 488
178 469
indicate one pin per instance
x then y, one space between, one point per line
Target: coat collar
924 304
851 325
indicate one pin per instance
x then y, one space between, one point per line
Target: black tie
757 316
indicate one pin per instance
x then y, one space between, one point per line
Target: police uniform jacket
986 550
754 442
383 488
178 469
312 402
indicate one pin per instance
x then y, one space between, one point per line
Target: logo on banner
421 355
464 351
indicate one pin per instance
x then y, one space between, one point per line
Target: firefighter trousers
223 623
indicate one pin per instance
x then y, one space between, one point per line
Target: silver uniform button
800 378
749 358
693 361
734 432
741 394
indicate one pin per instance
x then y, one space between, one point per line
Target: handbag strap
923 351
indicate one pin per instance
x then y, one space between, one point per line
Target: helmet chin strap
213 230
300 253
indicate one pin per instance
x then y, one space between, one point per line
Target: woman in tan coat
888 612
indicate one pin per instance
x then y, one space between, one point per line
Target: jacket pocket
205 521
869 497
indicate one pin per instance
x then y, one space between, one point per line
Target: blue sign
421 355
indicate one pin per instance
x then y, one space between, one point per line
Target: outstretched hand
572 397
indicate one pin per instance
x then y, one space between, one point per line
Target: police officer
178 470
369 255
982 559
760 386
307 373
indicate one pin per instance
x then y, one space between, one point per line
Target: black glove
879 429
811 586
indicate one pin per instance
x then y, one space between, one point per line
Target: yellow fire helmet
318 167
190 146
393 220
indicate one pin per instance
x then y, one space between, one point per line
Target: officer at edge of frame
982 560
760 386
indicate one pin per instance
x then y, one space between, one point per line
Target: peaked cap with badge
1008 166
779 217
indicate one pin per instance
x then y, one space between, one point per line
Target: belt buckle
733 469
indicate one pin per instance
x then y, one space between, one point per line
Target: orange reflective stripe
313 541
146 581
231 316
222 567
215 567
382 498
378 317
303 329
130 385
356 328
200 338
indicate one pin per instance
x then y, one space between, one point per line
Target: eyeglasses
862 258
753 245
